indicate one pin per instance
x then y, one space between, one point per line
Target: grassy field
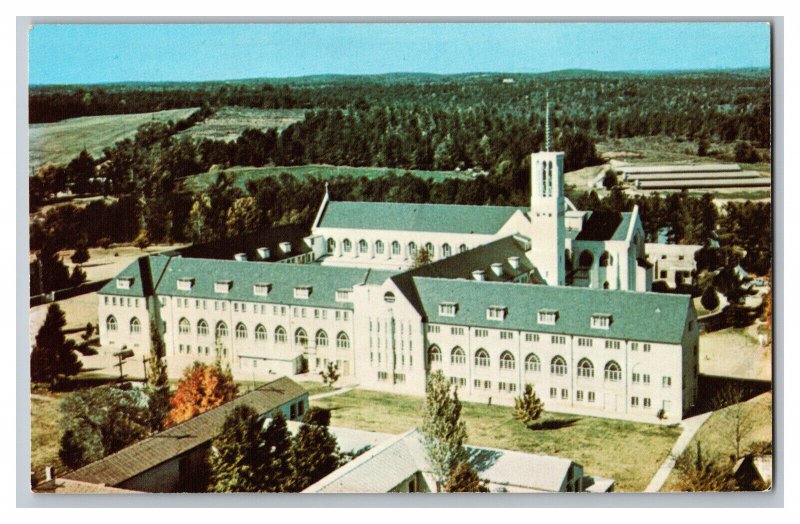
241 175
712 435
45 434
59 142
735 352
229 122
628 452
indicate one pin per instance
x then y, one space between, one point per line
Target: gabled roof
605 225
181 438
249 243
435 218
647 317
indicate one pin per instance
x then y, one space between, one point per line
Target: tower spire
547 122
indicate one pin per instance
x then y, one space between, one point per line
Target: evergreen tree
238 455
51 272
709 299
314 454
77 277
157 383
81 254
464 479
278 446
443 430
330 374
53 357
528 407
70 452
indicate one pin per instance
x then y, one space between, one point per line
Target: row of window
362 247
134 326
120 301
534 337
399 378
242 307
558 365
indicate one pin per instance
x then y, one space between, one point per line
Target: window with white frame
262 289
280 335
302 292
635 402
666 381
379 247
590 396
241 331
261 333
185 284
481 333
184 328
321 338
111 323
457 356
506 335
548 317
601 321
221 330
558 340
646 402
585 368
532 363
457 331
482 359
222 286
124 282
202 328
434 354
646 378
496 313
531 337
342 340
612 344
362 246
613 372
301 337
344 295
584 342
431 328
558 366
448 309
564 394
553 392
507 361
579 395
395 248
135 326
446 251
646 348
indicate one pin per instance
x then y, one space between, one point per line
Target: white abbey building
590 336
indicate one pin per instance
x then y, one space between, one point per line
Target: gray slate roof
606 225
324 280
181 438
647 317
439 218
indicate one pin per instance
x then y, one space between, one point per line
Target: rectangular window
431 328
399 378
612 344
531 337
496 313
316 313
591 396
512 387
579 395
506 335
235 307
481 333
634 346
564 394
382 375
635 378
347 315
548 316
456 330
666 381
635 402
476 383
224 306
487 384
585 342
106 300
501 386
646 378
646 402
601 321
553 392
302 292
222 286
344 295
558 339
448 309
647 348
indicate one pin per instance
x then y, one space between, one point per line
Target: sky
85 54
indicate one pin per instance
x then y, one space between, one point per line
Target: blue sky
64 54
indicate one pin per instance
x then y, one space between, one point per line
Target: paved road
331 393
690 427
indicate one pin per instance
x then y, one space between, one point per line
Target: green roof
156 263
439 218
648 317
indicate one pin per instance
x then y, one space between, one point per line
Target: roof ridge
424 204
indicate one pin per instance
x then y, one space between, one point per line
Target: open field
241 175
45 434
628 452
59 142
713 434
229 122
736 353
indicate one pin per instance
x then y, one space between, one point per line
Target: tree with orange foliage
201 388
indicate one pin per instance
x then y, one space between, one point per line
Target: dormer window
496 313
124 282
223 286
448 309
262 289
344 295
302 292
600 321
548 316
185 284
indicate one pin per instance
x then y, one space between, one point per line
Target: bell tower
547 212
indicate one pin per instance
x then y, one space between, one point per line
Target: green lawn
45 434
59 142
229 122
713 435
241 175
315 388
628 452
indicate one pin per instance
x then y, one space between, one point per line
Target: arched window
613 372
331 245
462 248
446 251
241 331
532 363
605 259
388 297
221 331
378 247
412 249
261 332
585 368
202 328
395 248
321 338
429 248
136 326
507 361
342 340
111 323
482 359
347 246
301 337
605 284
184 328
362 246
280 335
558 366
586 259
434 354
457 356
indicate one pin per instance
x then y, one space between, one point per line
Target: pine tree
314 454
70 452
53 357
709 299
278 446
238 455
528 407
157 383
443 430
464 479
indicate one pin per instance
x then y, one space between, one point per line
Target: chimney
263 252
285 247
48 473
497 268
514 262
240 257
479 274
